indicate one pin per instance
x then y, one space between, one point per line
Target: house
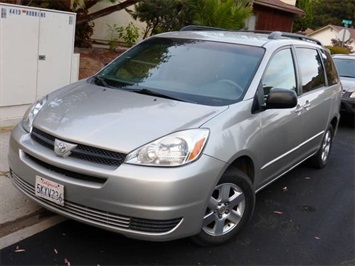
269 15
329 32
274 15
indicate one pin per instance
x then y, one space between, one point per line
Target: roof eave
291 10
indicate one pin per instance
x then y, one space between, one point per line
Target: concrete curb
28 231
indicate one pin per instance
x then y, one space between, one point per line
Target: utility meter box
36 56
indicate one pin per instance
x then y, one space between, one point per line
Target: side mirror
281 98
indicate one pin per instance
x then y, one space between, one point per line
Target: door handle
307 105
299 108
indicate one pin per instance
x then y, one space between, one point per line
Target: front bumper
148 203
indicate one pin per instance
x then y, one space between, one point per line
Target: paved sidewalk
13 204
20 217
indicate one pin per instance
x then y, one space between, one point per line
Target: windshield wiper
101 80
346 76
146 91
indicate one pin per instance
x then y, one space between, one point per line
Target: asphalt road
305 218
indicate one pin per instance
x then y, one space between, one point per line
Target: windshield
203 72
345 67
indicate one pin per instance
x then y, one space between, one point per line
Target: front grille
98 217
153 226
82 152
65 172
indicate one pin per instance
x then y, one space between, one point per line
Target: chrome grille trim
98 217
82 152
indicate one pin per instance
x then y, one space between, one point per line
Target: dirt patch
92 60
6 129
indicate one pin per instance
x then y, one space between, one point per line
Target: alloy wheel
326 145
225 209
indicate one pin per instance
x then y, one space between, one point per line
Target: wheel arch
334 122
246 165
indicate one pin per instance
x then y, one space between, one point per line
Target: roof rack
199 28
273 35
278 35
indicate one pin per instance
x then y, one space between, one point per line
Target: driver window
280 73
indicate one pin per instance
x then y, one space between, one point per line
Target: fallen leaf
67 262
18 249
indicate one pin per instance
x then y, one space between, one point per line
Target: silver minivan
345 65
175 137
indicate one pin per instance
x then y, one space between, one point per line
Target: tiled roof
277 4
337 28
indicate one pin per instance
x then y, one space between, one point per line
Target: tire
320 159
230 206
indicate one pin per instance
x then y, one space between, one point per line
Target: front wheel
319 160
229 208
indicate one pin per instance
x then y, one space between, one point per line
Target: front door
280 127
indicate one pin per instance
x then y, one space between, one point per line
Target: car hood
116 119
348 84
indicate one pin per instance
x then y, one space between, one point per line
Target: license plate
49 190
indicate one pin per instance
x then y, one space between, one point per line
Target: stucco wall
326 35
290 2
120 18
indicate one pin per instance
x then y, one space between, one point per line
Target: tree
163 15
346 46
303 22
80 6
332 12
85 16
84 24
228 14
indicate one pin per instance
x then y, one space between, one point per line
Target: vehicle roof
220 36
343 56
237 37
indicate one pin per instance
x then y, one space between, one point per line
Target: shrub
338 50
128 34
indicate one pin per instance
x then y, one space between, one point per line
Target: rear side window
311 69
330 68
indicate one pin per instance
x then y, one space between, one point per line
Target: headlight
31 113
176 149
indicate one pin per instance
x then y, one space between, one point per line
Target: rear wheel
229 208
319 160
